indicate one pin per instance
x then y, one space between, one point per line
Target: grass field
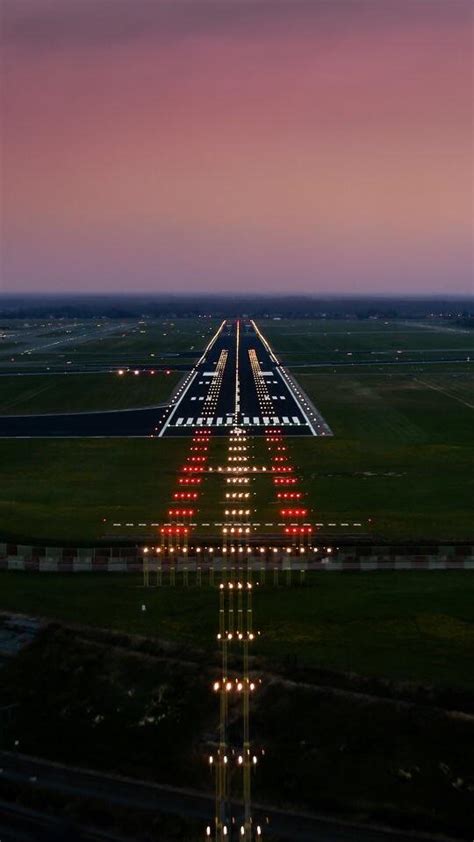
108 341
83 392
403 447
62 490
342 341
402 454
406 626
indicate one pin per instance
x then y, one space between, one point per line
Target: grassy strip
83 392
406 626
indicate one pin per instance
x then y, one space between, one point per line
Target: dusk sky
321 146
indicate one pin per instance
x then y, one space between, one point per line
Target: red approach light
189 480
289 495
279 458
282 469
293 512
285 480
185 495
197 458
174 530
181 512
193 469
298 530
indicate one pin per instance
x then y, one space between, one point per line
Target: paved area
237 381
15 633
240 381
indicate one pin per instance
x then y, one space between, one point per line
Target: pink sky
223 145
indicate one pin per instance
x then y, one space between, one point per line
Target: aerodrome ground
237 380
400 460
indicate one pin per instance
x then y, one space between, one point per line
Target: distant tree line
300 307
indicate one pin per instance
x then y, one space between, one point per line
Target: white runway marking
444 392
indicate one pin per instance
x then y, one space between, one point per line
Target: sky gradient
237 145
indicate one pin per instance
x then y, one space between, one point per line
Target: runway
237 381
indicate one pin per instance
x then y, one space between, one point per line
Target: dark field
332 744
402 452
105 342
83 392
404 626
351 341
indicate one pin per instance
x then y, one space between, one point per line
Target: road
21 824
237 380
143 796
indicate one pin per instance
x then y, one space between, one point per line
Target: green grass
83 392
402 453
148 341
109 342
403 448
406 626
61 490
338 341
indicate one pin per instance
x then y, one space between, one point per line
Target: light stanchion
146 568
159 567
227 825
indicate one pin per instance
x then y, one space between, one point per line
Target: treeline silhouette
167 306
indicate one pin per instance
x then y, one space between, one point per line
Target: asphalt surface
21 824
34 774
238 380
